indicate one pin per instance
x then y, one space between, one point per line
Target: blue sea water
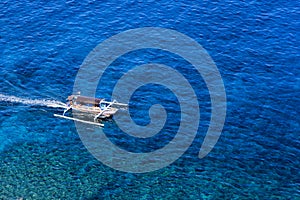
256 48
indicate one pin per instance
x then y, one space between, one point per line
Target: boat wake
32 102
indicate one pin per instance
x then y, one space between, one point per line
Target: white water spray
33 102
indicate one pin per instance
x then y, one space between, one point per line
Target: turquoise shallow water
256 48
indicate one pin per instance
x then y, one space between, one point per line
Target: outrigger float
99 109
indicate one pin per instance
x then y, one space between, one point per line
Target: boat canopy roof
84 100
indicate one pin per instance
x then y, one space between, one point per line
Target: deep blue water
256 48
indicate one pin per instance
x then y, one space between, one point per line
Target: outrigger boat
99 109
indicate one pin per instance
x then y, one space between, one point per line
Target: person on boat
70 100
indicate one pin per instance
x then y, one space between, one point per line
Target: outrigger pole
114 102
79 120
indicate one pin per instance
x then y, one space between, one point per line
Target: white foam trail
34 102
